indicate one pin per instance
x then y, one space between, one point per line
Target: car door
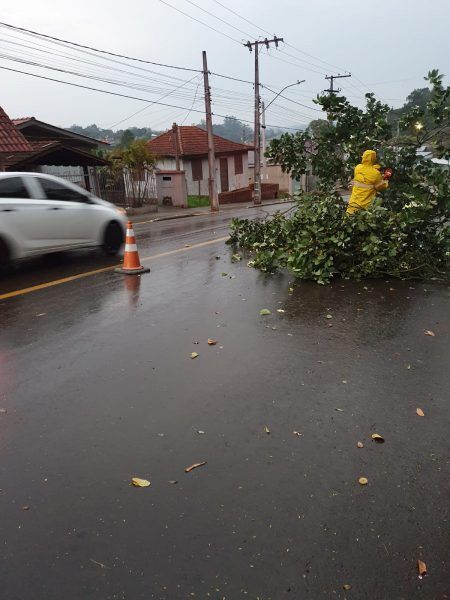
23 214
73 216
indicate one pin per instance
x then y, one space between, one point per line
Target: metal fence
117 189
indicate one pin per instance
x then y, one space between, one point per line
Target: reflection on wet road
153 237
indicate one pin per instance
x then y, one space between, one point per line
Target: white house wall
234 181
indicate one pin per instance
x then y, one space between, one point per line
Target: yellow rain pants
367 181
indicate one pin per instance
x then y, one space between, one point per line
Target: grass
196 201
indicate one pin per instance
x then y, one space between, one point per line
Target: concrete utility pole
263 127
331 78
177 154
257 133
212 185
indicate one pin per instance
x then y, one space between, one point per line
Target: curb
201 214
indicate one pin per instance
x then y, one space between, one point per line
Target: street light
280 92
418 125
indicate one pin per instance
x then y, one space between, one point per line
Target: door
224 184
23 214
75 219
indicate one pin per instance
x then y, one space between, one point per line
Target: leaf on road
347 587
378 438
408 367
297 433
224 274
420 412
194 466
291 290
363 481
339 409
430 333
136 481
264 311
173 481
360 445
329 316
266 429
25 508
422 568
211 342
194 354
200 431
236 258
187 245
3 411
280 310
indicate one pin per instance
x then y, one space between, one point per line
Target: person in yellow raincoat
367 181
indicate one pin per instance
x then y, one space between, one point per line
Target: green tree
126 138
405 233
135 164
317 126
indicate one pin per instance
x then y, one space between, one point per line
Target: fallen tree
403 234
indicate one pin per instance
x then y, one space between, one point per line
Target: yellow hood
369 157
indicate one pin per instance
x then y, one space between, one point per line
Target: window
13 187
197 171
167 178
58 191
238 165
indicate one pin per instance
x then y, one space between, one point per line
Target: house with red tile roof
11 140
190 143
28 144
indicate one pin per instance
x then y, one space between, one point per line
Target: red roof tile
192 141
11 140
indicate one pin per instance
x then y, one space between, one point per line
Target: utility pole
177 154
331 79
257 133
212 185
263 127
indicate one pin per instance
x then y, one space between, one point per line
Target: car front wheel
112 239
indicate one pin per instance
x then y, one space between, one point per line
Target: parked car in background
40 214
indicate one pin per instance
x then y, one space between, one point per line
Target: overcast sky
388 46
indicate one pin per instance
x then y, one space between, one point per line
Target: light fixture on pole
281 91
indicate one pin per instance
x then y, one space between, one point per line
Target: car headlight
121 211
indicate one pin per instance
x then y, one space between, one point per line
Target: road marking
42 286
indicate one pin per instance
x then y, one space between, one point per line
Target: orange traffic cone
131 263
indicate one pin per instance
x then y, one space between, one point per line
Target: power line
151 103
83 48
201 22
192 106
48 50
218 18
248 35
110 93
290 100
133 85
78 45
286 44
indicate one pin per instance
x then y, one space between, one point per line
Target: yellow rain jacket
367 181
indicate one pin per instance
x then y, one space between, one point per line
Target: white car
40 214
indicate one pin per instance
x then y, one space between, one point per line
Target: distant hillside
115 138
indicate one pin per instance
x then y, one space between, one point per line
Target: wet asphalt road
98 386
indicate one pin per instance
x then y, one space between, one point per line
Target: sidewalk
165 213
